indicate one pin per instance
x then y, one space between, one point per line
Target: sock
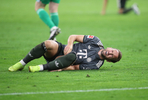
127 10
41 67
35 53
55 18
61 62
45 17
22 62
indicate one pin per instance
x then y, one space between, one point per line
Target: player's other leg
53 9
44 16
59 63
37 52
124 10
16 67
122 7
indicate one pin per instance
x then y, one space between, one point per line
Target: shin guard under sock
36 52
61 62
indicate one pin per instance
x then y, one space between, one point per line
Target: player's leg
127 10
136 9
44 16
53 9
59 63
122 8
37 52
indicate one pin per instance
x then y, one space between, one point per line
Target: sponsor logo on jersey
90 36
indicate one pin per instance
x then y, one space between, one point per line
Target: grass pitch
21 29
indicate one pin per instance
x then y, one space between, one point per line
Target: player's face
110 54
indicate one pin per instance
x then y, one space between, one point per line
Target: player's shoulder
89 36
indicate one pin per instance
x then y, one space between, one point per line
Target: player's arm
104 7
71 40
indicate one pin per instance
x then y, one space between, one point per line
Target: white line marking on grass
73 91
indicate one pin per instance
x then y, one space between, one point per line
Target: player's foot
16 67
54 32
136 9
34 68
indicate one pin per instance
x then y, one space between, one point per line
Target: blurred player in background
122 8
52 22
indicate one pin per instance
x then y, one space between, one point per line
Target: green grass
21 29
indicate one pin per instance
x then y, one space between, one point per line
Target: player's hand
67 49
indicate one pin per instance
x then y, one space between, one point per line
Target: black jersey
87 53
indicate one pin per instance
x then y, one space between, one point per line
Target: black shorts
59 53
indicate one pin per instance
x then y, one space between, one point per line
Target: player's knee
71 58
50 44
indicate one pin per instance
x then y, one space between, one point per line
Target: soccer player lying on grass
88 53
